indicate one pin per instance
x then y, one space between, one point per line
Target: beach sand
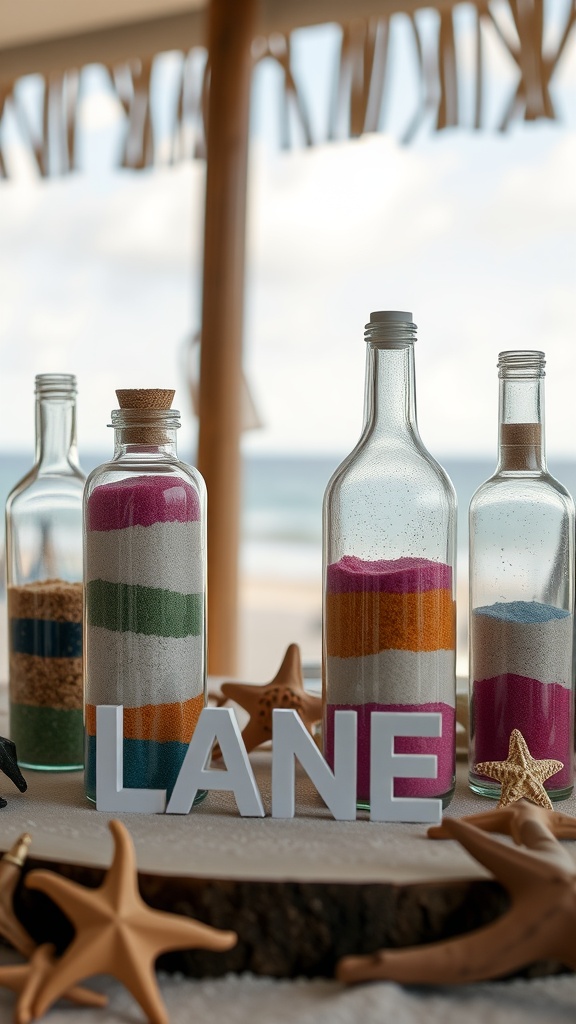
273 614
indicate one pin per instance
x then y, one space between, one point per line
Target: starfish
520 774
286 690
27 979
117 933
10 871
539 925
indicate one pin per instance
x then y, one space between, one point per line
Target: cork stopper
145 398
521 445
149 400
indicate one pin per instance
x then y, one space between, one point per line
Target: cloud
475 234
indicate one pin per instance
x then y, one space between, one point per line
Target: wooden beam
112 45
231 29
45 52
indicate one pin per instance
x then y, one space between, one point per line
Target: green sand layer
47 737
148 610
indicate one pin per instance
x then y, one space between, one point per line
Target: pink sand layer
391 576
142 501
443 746
542 712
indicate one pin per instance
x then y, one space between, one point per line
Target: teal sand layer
148 764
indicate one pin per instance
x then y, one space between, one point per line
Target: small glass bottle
521 591
389 540
44 576
145 592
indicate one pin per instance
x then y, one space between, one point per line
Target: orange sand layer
358 624
160 722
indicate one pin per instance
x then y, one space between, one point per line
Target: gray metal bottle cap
390 316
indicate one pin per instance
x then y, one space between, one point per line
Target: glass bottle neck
56 445
521 430
155 444
390 397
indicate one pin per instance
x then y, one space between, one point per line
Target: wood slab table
300 893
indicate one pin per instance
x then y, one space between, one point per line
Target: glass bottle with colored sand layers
389 541
44 576
145 593
521 591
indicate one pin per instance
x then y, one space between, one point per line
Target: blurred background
473 229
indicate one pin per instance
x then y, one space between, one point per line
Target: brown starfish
27 979
521 774
539 925
286 690
117 933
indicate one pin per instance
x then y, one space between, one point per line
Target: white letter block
217 724
385 766
290 740
110 792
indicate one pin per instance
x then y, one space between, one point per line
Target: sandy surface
247 999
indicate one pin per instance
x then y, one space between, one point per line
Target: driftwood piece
540 877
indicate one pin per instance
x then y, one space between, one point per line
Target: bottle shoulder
511 488
125 468
373 464
38 487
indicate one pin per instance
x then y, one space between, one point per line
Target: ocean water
282 514
282 505
282 533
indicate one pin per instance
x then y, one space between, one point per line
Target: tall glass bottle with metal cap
389 550
145 592
44 575
521 590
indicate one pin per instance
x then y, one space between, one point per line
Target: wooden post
230 33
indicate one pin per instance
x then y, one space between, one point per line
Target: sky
474 232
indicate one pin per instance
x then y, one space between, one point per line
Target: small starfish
286 690
27 979
539 925
10 871
521 775
117 933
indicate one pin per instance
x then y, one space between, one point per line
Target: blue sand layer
147 764
45 638
525 612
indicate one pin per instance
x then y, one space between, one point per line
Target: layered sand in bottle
522 672
144 600
390 635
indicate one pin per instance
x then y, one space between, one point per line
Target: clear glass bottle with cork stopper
521 591
389 534
145 592
44 576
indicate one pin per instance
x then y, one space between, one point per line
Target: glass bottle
389 536
44 577
145 593
521 590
